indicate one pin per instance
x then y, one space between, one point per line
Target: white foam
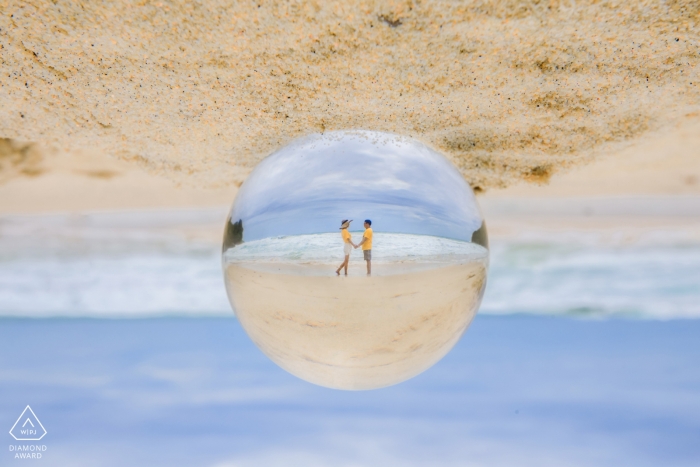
328 248
116 265
636 281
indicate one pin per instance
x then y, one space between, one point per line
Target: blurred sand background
556 112
655 182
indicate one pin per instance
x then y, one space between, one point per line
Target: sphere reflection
286 238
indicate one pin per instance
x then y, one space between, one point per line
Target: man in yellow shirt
366 245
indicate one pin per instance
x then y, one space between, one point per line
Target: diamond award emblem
28 427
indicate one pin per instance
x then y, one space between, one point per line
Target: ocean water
531 384
631 281
321 254
114 264
153 264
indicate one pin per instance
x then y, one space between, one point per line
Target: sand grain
202 91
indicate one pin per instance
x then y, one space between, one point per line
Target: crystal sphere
284 257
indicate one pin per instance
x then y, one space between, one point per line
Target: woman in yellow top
347 245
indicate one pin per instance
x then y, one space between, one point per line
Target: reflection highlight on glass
426 245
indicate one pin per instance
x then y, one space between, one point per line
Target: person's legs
344 265
369 267
337 271
368 257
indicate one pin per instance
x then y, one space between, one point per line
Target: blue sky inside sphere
315 182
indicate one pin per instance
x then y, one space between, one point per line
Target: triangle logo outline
28 419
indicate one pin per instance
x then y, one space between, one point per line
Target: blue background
515 391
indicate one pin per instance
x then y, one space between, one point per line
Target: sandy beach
127 129
648 192
664 165
650 187
643 200
507 90
379 330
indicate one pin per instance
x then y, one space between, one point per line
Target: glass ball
414 277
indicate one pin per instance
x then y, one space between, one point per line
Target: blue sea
116 330
166 263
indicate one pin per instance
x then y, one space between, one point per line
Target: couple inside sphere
348 245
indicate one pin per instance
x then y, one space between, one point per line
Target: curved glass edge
283 208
